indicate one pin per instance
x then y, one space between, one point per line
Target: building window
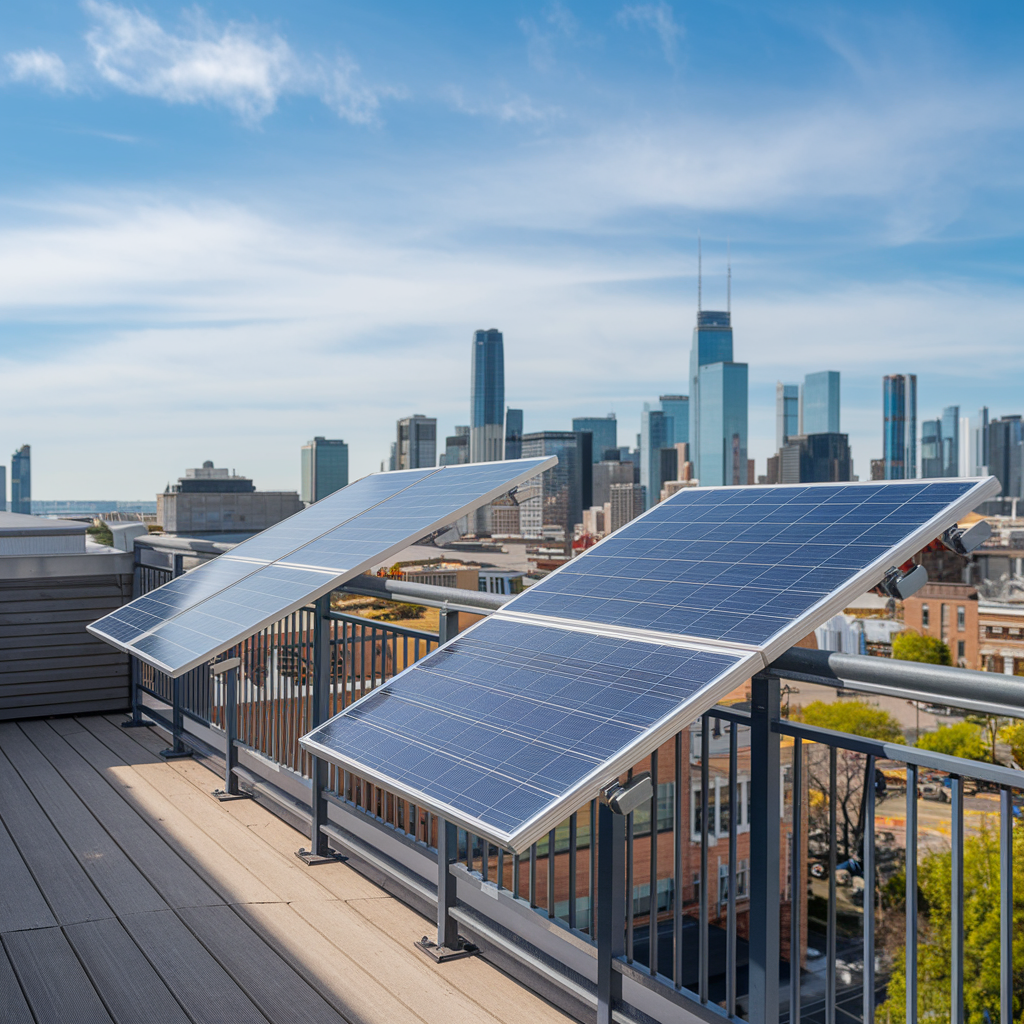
961 618
960 650
742 882
719 813
924 616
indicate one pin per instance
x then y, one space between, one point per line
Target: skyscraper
604 429
980 453
456 448
3 488
416 444
487 398
787 412
324 468
951 440
718 403
513 433
1005 454
819 403
556 505
931 448
656 432
678 407
21 480
899 437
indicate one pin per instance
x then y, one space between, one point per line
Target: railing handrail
429 595
160 542
390 627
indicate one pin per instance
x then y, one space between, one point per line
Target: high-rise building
787 412
815 459
416 444
678 407
980 447
324 468
557 502
1005 454
21 480
951 440
487 398
657 430
456 448
604 429
514 434
819 403
627 501
3 488
899 437
585 448
718 403
606 473
931 448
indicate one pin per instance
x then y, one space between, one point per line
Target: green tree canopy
852 716
1013 736
911 646
961 740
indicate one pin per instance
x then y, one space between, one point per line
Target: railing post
447 625
448 946
319 852
611 908
229 670
177 748
178 566
764 851
134 669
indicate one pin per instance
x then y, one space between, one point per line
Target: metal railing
753 884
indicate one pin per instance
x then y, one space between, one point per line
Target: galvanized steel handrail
428 595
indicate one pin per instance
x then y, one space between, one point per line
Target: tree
990 726
960 740
981 937
1013 736
852 716
911 646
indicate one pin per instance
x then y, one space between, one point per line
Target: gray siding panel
49 663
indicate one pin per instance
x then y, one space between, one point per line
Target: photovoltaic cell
504 721
737 565
196 616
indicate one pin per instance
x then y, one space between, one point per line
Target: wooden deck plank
206 991
12 999
21 903
176 882
123 886
68 890
267 979
124 978
56 987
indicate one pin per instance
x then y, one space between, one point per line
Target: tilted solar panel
195 617
526 716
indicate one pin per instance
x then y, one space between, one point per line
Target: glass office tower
931 448
487 398
657 431
899 437
604 429
324 468
21 480
557 503
416 446
718 403
951 440
787 412
819 403
514 434
678 407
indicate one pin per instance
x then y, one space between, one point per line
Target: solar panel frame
822 610
332 580
556 811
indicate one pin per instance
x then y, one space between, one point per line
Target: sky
229 227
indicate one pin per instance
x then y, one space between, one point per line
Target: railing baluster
485 859
830 940
681 835
592 878
551 873
501 868
910 895
730 924
1005 905
796 894
515 875
957 903
572 870
652 914
630 887
702 961
533 875
868 905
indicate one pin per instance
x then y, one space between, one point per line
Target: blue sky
226 228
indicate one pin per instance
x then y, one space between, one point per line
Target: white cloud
659 17
39 66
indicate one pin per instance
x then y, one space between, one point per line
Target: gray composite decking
129 894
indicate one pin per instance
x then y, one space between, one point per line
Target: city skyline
366 215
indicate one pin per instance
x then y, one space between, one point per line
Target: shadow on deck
128 894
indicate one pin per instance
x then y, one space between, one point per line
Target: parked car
935 791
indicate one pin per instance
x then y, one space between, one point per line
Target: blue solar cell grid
737 565
510 717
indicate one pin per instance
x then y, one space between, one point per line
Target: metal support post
319 852
764 851
135 668
178 565
448 946
177 748
447 625
611 908
229 670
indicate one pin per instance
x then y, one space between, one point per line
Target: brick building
948 612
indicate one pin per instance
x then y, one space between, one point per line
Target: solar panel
193 618
526 716
511 721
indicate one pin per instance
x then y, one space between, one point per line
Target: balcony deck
129 894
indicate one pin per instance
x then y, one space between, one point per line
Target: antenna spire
699 272
728 280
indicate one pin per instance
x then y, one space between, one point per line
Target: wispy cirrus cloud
244 68
38 66
661 19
